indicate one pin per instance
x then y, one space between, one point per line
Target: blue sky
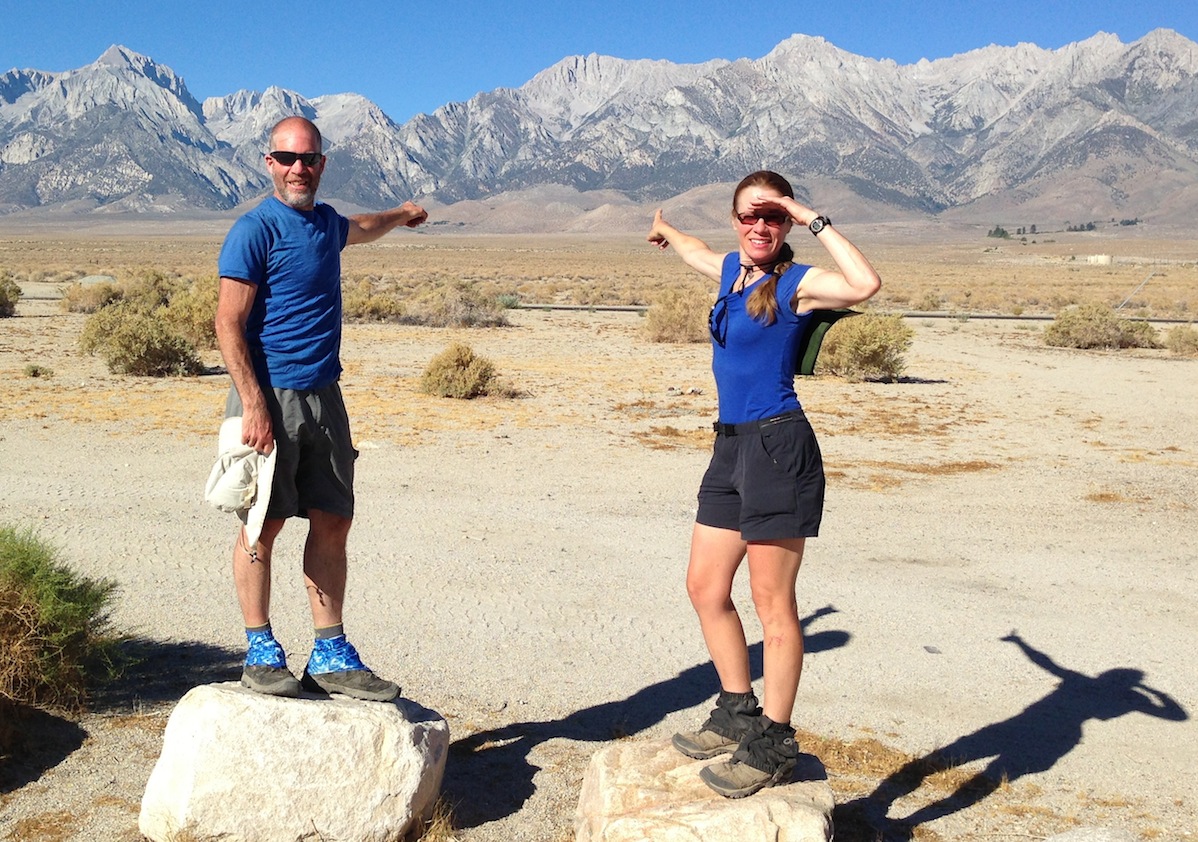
414 57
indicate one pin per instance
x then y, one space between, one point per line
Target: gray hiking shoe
731 719
703 744
358 684
270 681
765 757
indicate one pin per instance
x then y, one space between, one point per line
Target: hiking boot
731 719
358 684
270 681
265 670
334 667
765 757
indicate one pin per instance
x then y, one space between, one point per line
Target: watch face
817 225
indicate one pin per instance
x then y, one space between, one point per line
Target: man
278 324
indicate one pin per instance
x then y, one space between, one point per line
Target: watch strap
818 224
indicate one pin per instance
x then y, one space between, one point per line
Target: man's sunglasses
773 220
287 159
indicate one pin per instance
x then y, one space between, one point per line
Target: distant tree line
1031 230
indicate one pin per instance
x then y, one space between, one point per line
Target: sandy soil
517 564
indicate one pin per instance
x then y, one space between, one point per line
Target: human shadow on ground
152 673
1031 741
38 741
155 672
478 762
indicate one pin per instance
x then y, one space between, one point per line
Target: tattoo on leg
252 553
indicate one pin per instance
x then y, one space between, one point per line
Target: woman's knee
775 606
707 593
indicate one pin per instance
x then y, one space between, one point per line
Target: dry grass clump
866 347
438 827
1183 341
457 372
55 637
678 315
1095 325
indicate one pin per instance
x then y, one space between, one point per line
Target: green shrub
1183 341
35 370
1097 325
678 316
10 293
55 636
88 298
134 341
457 373
866 347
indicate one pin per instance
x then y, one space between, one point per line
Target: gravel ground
517 565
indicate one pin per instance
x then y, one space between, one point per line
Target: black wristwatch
818 224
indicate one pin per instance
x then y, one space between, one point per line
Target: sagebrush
1182 340
191 312
364 302
1094 326
455 304
678 315
133 341
154 326
457 372
866 347
88 298
10 293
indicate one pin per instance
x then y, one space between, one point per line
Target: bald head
293 124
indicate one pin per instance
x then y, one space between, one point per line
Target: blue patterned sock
334 654
264 650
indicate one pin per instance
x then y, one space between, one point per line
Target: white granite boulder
238 766
636 790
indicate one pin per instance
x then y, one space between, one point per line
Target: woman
762 495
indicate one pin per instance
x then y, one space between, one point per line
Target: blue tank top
754 363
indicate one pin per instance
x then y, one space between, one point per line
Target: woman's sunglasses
717 321
773 220
287 159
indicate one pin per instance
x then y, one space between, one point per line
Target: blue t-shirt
754 363
294 258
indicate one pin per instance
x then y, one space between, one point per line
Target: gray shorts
765 480
314 465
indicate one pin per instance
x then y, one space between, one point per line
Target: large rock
639 790
237 766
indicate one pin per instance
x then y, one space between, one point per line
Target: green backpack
813 336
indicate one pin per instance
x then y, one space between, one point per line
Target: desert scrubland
1007 565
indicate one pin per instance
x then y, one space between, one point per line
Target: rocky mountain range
1098 129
